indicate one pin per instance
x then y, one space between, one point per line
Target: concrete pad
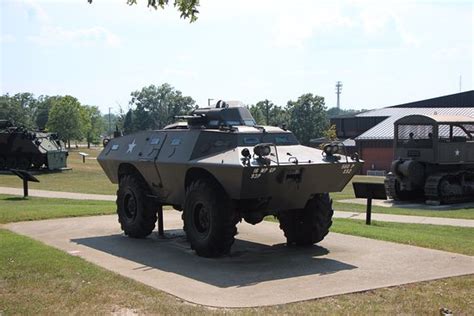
410 205
260 270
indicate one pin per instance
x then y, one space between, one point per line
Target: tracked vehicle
218 168
24 149
434 159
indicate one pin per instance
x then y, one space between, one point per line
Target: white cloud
97 35
34 11
179 73
298 22
7 38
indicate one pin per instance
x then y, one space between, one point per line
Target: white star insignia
457 152
131 146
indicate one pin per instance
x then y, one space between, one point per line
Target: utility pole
209 102
110 131
338 92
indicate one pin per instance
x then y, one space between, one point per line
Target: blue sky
384 52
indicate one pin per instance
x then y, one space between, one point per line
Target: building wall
377 159
377 154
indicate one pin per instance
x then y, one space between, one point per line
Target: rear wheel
23 163
136 213
309 225
209 219
10 163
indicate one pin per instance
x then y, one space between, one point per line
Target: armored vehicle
434 159
218 168
23 149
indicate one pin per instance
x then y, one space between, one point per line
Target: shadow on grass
16 198
249 262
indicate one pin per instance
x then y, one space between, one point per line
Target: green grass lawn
38 279
448 238
14 209
83 178
467 213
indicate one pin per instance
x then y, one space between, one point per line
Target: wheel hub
201 218
130 206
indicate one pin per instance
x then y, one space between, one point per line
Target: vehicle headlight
331 149
262 150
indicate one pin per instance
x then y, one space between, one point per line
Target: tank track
390 183
435 191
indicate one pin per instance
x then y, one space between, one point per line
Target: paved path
411 205
58 194
351 215
408 219
260 270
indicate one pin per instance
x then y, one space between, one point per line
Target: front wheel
209 219
309 225
136 213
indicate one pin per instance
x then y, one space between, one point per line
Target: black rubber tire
23 163
310 225
10 162
209 220
136 213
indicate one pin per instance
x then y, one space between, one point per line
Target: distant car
434 159
219 167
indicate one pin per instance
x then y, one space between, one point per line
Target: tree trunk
68 144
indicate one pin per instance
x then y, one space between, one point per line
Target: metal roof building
373 130
384 130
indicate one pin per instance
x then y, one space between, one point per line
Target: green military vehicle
434 159
24 149
218 168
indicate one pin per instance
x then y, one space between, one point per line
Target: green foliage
307 117
333 112
156 107
188 8
42 110
67 119
128 126
95 124
267 113
331 133
19 108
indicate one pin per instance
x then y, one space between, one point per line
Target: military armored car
24 149
434 159
218 167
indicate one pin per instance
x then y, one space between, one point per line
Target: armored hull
23 149
260 170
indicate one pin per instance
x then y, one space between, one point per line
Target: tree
44 104
66 118
94 124
332 112
331 133
257 114
188 8
307 117
156 107
267 113
19 108
128 126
